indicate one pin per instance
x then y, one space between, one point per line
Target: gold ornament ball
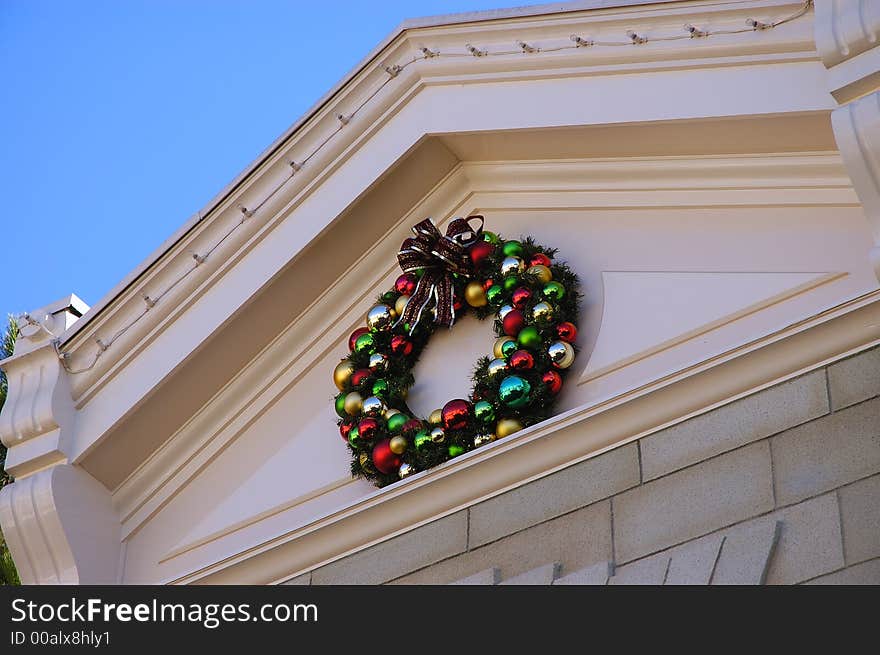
498 348
512 266
353 403
398 445
475 294
342 374
542 312
437 435
506 427
483 439
405 470
540 272
390 412
561 354
496 367
436 417
400 305
380 318
373 406
504 311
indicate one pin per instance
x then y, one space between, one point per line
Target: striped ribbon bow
439 256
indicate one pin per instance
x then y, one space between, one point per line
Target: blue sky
120 119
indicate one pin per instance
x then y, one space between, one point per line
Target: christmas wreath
534 300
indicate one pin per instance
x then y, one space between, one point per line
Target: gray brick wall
781 487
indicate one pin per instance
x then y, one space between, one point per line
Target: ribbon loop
439 256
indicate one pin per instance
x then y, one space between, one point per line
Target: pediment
704 226
668 285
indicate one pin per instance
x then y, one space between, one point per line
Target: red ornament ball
344 429
479 252
455 414
513 323
456 303
360 376
567 332
411 425
553 381
383 458
539 259
488 282
521 297
521 360
401 346
368 428
405 284
354 335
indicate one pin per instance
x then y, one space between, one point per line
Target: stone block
577 539
855 379
304 579
827 453
860 518
867 573
693 563
554 495
741 422
808 545
693 502
395 557
648 571
542 575
746 552
595 574
488 577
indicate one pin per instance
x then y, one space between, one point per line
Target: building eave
375 54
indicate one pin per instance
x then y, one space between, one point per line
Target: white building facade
717 189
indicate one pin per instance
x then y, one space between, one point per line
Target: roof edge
409 24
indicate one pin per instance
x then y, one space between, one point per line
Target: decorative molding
857 130
656 309
845 28
790 40
37 418
559 442
61 528
846 34
573 184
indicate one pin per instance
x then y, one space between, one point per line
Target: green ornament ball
529 337
484 412
422 439
354 437
495 294
340 405
365 344
390 297
490 237
514 391
512 249
380 389
511 283
553 291
455 450
396 422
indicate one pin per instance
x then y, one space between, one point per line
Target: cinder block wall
782 486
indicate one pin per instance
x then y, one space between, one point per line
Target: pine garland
398 376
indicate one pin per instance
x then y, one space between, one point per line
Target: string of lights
471 51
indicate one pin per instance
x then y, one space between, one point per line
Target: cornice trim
554 444
174 254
